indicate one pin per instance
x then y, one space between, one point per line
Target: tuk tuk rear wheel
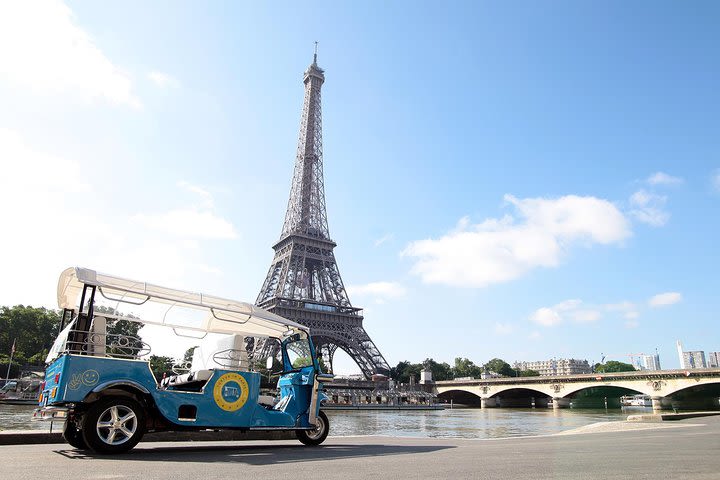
113 425
318 434
73 436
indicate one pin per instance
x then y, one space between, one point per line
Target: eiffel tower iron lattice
304 283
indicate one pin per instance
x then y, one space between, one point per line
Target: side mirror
269 363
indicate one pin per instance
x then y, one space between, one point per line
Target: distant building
680 355
694 359
651 362
638 362
563 366
713 360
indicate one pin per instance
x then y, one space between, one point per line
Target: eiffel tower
304 283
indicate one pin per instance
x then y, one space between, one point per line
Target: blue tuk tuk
99 380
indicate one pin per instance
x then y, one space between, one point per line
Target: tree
500 366
119 327
612 366
404 371
527 373
161 366
188 356
465 368
32 329
440 371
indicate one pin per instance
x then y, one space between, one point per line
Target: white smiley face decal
90 377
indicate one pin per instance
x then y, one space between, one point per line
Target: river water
459 422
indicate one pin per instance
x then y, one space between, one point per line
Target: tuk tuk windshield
298 352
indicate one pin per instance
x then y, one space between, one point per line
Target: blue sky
521 180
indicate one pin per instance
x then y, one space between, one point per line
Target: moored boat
20 391
636 401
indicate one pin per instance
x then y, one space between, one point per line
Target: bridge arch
599 396
460 397
571 391
520 397
702 396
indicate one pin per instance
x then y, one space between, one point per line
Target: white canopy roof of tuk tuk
223 315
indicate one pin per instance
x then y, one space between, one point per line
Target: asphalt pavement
687 449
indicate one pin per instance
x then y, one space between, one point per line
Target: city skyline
521 183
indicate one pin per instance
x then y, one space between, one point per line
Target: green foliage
187 357
440 371
161 366
404 371
321 363
500 366
466 368
33 329
301 362
119 327
527 373
612 366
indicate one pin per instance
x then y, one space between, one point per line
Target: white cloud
716 179
573 310
664 299
60 219
207 198
504 328
163 80
384 238
25 168
661 178
535 336
628 309
43 49
631 323
500 250
585 316
619 307
647 208
546 317
188 223
567 305
196 222
378 290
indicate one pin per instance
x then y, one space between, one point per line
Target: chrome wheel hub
317 432
116 425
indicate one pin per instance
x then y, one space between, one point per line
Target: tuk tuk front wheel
317 435
113 425
73 435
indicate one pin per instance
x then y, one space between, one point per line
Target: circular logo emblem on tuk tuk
231 392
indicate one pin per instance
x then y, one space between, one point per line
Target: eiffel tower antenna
304 283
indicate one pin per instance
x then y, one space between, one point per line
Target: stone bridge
667 388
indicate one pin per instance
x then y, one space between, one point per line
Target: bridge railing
604 377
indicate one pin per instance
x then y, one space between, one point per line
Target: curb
29 437
664 417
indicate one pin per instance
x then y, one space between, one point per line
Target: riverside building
694 359
562 366
713 359
650 362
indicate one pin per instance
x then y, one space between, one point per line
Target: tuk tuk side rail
110 345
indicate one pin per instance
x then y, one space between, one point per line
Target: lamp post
12 352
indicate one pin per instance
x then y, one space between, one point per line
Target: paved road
689 451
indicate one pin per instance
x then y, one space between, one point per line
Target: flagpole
12 352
